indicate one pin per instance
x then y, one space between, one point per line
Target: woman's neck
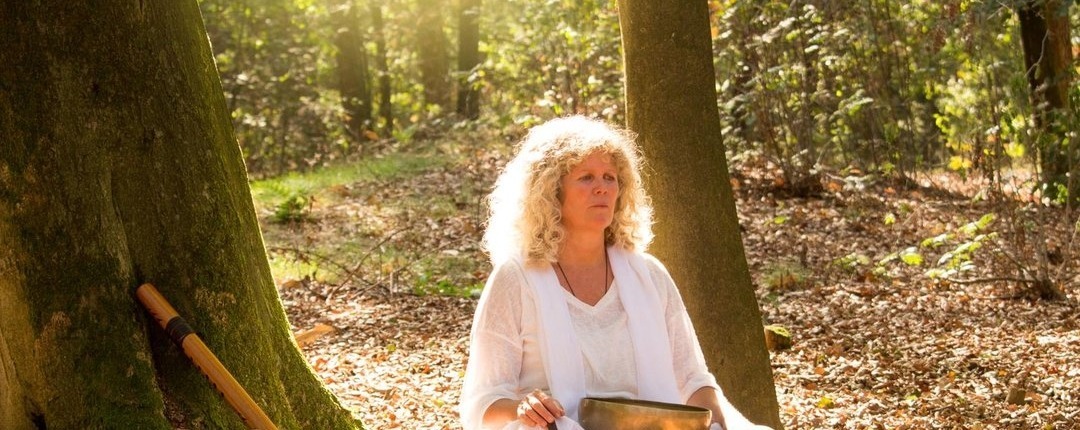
582 250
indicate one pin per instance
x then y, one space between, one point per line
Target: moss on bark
120 167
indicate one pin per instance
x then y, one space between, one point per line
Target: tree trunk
671 104
386 110
1044 36
468 103
431 48
352 70
119 166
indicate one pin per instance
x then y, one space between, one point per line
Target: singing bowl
628 414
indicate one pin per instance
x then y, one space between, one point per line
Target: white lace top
505 357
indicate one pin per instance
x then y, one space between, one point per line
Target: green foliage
288 201
427 284
381 221
852 261
289 198
982 108
274 190
962 244
785 275
911 257
552 58
889 86
274 60
294 208
277 62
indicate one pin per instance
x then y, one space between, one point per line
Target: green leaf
945 258
957 162
826 402
888 259
975 226
890 219
936 241
968 247
969 228
911 257
852 260
1015 150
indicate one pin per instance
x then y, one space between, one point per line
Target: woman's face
589 192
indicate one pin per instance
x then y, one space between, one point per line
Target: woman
574 307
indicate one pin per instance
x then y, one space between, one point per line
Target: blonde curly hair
525 218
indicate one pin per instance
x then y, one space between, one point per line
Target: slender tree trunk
432 50
352 70
674 111
468 103
743 109
119 166
1044 36
386 110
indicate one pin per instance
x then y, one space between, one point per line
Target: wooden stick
204 359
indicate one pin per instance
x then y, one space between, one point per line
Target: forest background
894 167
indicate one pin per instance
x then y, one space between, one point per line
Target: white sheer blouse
504 360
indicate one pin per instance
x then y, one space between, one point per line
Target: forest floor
379 274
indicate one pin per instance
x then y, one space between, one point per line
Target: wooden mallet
204 359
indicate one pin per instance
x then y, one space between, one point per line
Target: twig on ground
310 255
989 280
351 273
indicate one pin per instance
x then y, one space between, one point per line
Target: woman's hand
538 409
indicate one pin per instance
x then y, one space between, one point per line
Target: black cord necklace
607 283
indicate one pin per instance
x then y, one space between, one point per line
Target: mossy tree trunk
1044 37
386 111
671 104
118 166
431 48
468 101
352 69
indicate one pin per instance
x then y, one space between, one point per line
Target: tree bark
119 166
1044 37
432 51
386 110
671 104
353 76
468 103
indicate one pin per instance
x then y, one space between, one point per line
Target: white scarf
561 353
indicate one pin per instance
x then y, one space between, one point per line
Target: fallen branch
351 273
310 255
990 280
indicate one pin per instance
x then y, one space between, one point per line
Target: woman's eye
587 177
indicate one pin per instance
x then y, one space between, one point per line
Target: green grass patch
289 194
447 275
785 275
286 266
406 222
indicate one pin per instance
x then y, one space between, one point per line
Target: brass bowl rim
649 405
